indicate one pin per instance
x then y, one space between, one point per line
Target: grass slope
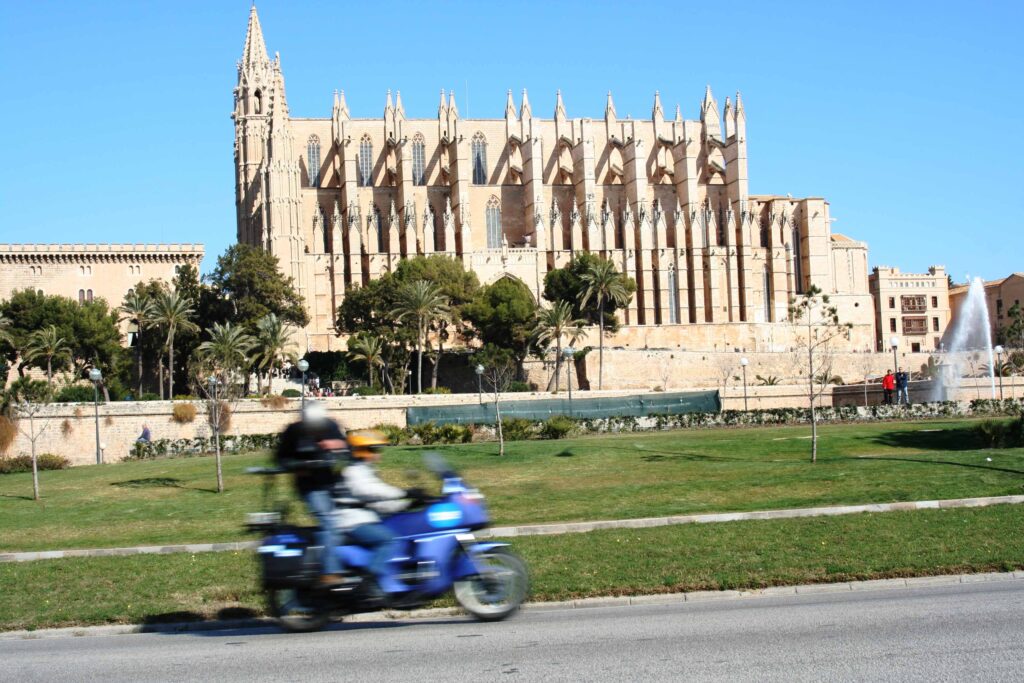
605 477
154 588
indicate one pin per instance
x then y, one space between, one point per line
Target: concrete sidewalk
552 529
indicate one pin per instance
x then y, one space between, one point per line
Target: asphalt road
948 633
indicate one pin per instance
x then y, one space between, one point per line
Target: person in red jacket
888 386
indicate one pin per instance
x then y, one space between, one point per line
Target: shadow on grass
946 462
149 483
16 497
956 439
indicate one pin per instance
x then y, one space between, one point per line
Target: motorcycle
439 552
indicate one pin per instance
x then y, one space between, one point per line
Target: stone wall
70 428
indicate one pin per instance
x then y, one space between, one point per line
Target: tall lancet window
493 223
479 152
378 226
313 160
673 297
419 160
365 161
798 269
767 295
258 102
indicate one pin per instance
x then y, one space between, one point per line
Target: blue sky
905 116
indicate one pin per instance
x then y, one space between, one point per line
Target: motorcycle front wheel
498 590
296 610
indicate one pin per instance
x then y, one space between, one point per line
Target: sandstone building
340 200
83 272
913 307
1000 296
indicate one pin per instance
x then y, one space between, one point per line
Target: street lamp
96 376
568 352
303 366
894 342
743 364
999 368
479 383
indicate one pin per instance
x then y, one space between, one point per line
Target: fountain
970 336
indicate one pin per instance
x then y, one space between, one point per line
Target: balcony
913 304
915 326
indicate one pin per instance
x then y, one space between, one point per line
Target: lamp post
743 364
479 383
96 376
894 343
303 366
999 368
568 352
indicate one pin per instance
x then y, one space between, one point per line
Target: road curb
555 529
582 603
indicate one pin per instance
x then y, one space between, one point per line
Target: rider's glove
416 494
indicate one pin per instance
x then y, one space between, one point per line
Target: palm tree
228 348
5 325
47 343
551 325
368 349
139 309
173 312
423 302
603 283
273 345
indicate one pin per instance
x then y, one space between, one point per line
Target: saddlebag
289 559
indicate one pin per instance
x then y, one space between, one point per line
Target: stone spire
657 113
341 106
399 108
741 119
510 107
730 123
389 108
254 54
609 109
453 111
710 117
442 109
559 107
679 114
525 112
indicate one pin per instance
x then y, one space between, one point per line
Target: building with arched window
666 198
313 160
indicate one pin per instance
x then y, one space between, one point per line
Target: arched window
365 161
378 226
419 160
798 270
81 296
673 297
258 101
493 223
81 270
479 151
88 295
313 160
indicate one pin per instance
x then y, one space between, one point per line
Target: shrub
149 396
437 390
8 431
518 388
23 463
291 393
66 428
396 435
426 432
184 397
557 427
455 433
223 412
274 401
1002 433
75 393
183 413
366 391
518 429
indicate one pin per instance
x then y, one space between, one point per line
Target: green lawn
178 587
603 477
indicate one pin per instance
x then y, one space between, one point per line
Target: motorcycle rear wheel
499 590
296 610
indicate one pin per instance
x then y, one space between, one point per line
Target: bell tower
252 120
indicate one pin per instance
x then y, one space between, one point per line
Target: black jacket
298 451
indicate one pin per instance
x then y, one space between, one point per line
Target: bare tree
867 368
32 397
817 327
726 366
499 372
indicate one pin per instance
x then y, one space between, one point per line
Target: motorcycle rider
310 449
362 497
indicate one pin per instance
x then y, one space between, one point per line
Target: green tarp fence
637 405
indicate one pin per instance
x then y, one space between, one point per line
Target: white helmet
314 413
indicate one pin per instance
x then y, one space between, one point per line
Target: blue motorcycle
438 553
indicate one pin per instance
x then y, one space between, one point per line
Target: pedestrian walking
902 387
888 385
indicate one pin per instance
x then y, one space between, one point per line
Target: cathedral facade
340 200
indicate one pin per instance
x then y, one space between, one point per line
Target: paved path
955 632
558 528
